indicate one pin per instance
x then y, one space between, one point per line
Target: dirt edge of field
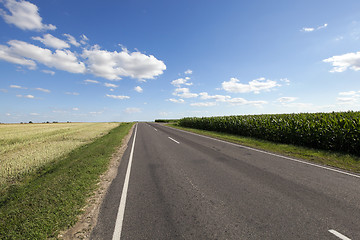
87 221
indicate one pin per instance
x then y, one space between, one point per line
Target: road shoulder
87 221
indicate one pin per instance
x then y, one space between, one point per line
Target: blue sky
133 60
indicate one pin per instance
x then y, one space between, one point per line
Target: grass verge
334 159
51 199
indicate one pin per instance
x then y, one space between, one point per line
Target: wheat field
26 147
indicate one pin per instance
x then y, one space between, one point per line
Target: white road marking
174 140
339 235
155 129
272 154
121 211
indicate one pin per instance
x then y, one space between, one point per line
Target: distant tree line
166 120
43 122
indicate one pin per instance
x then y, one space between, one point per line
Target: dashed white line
155 129
339 235
174 140
121 211
272 154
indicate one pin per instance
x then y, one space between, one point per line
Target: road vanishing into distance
177 185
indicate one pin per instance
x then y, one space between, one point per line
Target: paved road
184 186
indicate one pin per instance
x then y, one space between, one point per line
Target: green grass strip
51 199
334 159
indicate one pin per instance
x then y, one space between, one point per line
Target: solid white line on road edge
272 154
121 211
339 235
174 140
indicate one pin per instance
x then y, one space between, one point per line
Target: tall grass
26 147
337 131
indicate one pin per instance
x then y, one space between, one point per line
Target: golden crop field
26 147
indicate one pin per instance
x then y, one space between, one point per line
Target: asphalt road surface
178 185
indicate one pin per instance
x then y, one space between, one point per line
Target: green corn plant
337 131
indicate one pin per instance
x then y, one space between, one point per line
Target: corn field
26 147
337 131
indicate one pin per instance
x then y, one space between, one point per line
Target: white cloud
176 100
17 86
242 101
225 99
306 29
60 59
238 101
339 38
138 89
51 41
75 109
285 80
312 29
6 54
91 81
165 114
347 100
184 93
203 104
24 15
26 96
95 113
121 97
218 98
181 81
305 107
109 65
52 73
72 93
132 110
350 97
110 85
322 26
34 114
286 99
43 90
71 40
255 86
349 93
114 65
123 47
59 111
189 71
342 62
84 39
